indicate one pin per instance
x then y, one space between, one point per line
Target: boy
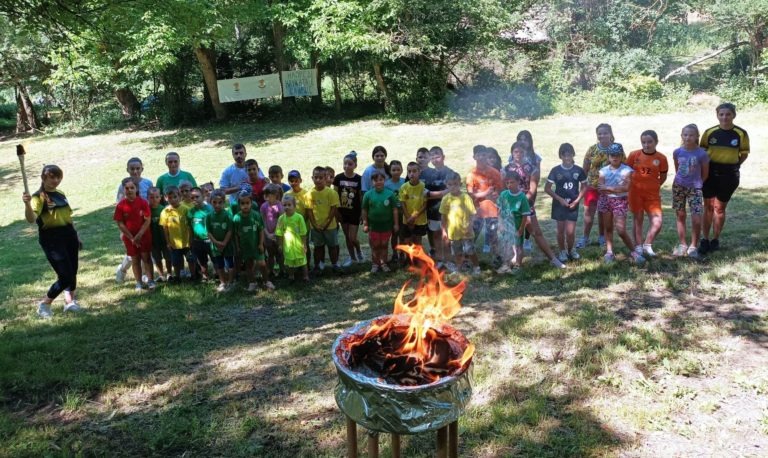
413 198
291 232
200 244
380 218
175 175
276 177
133 219
570 183
435 182
458 210
484 184
514 211
173 219
219 225
256 181
135 168
160 250
248 228
322 203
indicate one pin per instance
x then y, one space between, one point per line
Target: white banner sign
300 83
252 87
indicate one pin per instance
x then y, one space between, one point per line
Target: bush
8 111
618 101
744 90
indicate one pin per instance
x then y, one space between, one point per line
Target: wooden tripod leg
395 446
373 444
351 438
442 443
453 440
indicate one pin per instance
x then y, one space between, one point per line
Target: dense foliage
515 58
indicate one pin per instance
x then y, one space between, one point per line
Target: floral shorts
616 205
694 197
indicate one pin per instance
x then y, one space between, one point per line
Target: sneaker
221 288
563 256
138 287
159 279
601 241
347 262
515 270
320 266
609 258
439 265
151 285
680 250
486 248
714 245
527 245
72 307
44 311
385 268
476 271
704 246
252 287
638 258
504 269
269 285
648 250
120 274
693 253
451 267
638 249
557 263
172 280
144 279
582 242
374 268
574 255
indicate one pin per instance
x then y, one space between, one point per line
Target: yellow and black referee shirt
725 146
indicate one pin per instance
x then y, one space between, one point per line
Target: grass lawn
668 359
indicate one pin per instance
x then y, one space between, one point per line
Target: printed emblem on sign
262 84
236 86
735 142
655 162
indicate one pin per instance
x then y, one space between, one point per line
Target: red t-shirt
257 191
133 214
480 181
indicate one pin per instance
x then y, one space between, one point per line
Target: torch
20 153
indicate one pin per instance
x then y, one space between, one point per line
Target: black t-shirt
567 181
350 193
434 180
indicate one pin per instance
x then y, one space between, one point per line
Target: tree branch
684 68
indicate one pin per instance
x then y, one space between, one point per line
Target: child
299 195
525 139
347 185
570 182
134 167
133 219
248 228
483 185
379 156
270 211
276 177
458 210
173 219
434 180
380 219
185 188
219 225
528 172
200 244
413 201
322 203
644 192
160 250
291 232
257 183
691 171
514 211
207 190
613 185
330 174
394 183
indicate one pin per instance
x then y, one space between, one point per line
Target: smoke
499 101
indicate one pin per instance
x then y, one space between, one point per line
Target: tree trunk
278 35
129 104
207 59
317 100
382 85
336 90
26 117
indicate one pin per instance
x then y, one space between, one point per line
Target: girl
529 179
526 139
691 171
380 218
595 159
394 184
134 168
570 182
271 210
49 208
348 186
644 193
291 234
514 212
613 185
379 156
133 218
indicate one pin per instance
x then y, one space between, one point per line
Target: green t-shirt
196 217
218 225
379 206
292 229
166 180
512 208
248 231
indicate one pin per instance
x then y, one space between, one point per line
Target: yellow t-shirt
414 199
175 219
725 146
458 210
321 203
301 201
53 210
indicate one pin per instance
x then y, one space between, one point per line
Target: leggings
61 247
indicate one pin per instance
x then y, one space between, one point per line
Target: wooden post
351 438
442 443
395 446
453 439
373 444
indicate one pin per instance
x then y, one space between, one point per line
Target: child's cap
615 149
294 174
246 187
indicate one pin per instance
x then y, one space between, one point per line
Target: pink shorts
591 197
379 237
616 205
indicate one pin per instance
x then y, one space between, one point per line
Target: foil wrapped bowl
383 407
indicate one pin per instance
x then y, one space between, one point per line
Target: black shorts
562 213
419 230
350 217
722 181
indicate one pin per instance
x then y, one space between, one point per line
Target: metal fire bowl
383 407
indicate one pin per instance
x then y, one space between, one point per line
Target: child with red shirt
133 218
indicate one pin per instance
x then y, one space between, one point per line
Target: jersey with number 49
567 181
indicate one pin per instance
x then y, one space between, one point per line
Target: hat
245 188
615 149
294 174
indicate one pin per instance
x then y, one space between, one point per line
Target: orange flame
433 303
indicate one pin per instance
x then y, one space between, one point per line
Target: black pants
61 247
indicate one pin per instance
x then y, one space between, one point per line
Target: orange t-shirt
648 169
481 181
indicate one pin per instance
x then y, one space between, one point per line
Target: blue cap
615 149
294 174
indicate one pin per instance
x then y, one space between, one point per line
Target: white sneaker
556 262
252 287
269 285
563 256
504 269
638 249
476 271
144 279
347 262
527 245
44 311
574 254
138 287
693 252
680 250
221 288
582 242
120 274
451 267
374 268
648 250
486 248
72 307
321 266
385 268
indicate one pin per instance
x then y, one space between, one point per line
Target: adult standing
49 208
728 147
236 173
175 175
379 156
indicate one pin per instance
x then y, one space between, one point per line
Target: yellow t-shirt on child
175 219
413 199
458 210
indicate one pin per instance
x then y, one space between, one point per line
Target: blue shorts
221 262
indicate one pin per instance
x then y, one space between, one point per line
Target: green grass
594 361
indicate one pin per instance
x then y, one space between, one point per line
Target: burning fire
419 353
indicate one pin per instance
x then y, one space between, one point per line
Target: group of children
268 225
